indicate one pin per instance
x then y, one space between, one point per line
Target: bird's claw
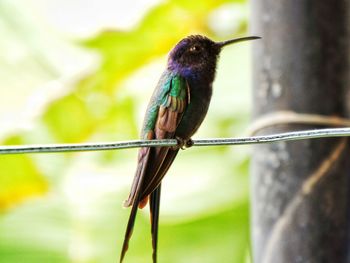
189 143
183 144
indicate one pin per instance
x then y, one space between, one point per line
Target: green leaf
19 177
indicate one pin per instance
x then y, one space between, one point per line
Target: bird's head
198 54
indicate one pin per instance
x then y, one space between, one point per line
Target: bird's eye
195 48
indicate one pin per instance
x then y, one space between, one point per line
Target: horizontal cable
78 147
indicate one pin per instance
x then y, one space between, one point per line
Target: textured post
300 190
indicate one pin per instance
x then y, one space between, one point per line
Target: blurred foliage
19 177
77 215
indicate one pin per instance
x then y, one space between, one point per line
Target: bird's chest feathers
199 99
196 110
199 89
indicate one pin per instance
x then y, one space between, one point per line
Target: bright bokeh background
82 71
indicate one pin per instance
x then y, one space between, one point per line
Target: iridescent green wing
171 109
169 97
164 113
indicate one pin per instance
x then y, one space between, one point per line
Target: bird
176 109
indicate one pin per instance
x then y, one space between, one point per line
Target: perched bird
176 110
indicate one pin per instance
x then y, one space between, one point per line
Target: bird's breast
200 96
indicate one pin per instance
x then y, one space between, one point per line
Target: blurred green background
83 71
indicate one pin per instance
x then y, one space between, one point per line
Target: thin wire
79 147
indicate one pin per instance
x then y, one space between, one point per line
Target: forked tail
154 209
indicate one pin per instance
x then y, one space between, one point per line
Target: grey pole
300 190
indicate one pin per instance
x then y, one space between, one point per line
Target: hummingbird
176 109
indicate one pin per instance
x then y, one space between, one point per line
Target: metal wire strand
79 147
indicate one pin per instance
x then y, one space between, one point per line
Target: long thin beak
235 40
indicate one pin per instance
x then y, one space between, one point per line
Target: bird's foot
189 143
183 144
